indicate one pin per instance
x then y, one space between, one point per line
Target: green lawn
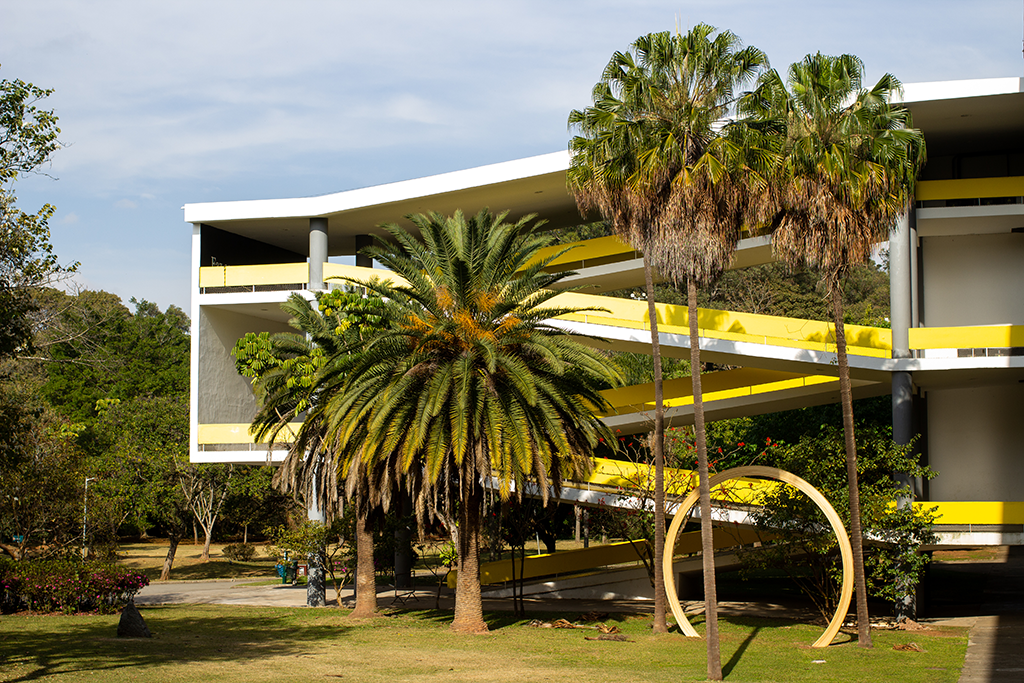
252 644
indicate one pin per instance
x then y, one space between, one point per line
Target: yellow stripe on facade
968 337
970 188
975 512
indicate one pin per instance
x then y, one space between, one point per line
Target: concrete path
988 596
222 592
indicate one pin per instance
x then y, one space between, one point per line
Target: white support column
317 251
193 402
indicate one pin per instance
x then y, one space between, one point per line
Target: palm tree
467 383
850 159
654 158
295 375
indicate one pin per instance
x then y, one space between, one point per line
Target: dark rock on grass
132 625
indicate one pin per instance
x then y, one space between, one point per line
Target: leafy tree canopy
28 136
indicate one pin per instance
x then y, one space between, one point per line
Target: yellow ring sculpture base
779 475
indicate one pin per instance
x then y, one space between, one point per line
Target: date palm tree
656 158
468 383
850 159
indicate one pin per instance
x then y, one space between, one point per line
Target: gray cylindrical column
915 284
900 312
317 251
900 317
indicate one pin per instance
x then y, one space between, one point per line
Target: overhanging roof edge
337 202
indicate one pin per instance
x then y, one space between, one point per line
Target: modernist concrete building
953 360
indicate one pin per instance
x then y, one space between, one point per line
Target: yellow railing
970 188
968 337
239 433
716 385
249 276
615 475
729 325
976 512
590 252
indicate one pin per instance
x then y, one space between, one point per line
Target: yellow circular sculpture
779 475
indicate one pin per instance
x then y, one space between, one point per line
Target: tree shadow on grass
497 620
42 646
738 654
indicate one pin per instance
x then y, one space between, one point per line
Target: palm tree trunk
366 584
469 610
706 530
856 535
660 603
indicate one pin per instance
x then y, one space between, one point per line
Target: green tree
810 557
253 502
295 375
142 468
28 136
850 160
41 496
652 158
466 382
95 348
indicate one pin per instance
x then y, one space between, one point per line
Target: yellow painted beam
976 512
239 433
967 337
970 188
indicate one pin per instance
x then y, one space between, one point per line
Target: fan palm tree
294 376
654 156
850 159
467 383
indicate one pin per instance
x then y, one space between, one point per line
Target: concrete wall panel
224 395
975 444
973 279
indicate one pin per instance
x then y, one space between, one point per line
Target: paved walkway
988 597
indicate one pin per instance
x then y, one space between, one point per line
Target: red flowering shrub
67 586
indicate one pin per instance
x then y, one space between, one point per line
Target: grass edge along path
253 644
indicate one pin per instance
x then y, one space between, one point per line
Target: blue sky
163 104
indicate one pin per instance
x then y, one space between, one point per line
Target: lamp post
85 515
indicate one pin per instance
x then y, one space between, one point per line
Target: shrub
239 552
66 585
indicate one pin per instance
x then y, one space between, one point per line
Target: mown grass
148 557
253 644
